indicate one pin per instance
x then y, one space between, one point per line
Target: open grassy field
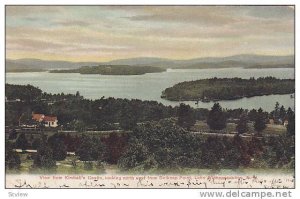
271 129
66 167
62 167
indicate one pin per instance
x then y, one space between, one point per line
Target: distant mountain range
27 65
244 60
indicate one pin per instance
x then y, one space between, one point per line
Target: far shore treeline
249 61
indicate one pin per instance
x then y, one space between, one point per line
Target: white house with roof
49 121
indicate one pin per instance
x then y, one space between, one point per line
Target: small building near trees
49 121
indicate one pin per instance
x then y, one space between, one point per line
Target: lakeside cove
149 86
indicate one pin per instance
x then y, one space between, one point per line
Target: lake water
150 86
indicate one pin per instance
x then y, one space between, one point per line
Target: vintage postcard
150 96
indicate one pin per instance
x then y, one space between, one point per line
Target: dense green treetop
186 118
22 92
216 118
260 121
113 70
228 88
242 126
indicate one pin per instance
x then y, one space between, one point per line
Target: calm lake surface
150 86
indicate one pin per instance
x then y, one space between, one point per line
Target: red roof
49 119
38 117
42 117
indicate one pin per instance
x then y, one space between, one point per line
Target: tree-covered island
113 70
216 89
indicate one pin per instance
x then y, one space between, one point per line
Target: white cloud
104 32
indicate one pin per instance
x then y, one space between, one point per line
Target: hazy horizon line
171 59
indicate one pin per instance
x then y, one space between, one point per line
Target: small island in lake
216 89
112 70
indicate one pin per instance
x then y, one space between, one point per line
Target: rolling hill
242 61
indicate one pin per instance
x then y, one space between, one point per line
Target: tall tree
242 126
212 153
91 149
185 116
56 142
12 134
216 119
252 115
59 150
12 159
115 145
260 121
77 125
276 113
291 125
160 145
36 143
44 157
136 154
85 149
128 119
22 142
282 113
289 113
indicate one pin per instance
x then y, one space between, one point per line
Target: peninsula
216 89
